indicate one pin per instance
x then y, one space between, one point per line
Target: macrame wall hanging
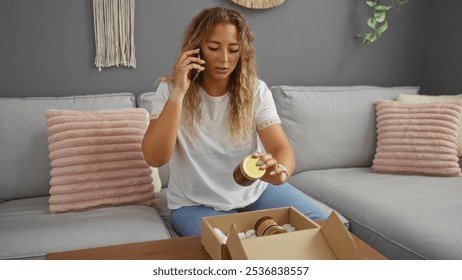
259 4
114 24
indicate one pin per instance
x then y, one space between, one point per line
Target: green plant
378 22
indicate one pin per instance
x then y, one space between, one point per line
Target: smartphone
194 72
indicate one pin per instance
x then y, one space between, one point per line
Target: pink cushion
417 138
96 159
418 99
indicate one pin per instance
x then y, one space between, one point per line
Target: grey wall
47 46
443 55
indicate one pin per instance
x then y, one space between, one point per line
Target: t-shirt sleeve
159 99
265 112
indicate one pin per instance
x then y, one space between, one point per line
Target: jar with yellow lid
248 171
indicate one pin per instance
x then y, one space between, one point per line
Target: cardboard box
310 241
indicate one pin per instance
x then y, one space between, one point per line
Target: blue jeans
187 220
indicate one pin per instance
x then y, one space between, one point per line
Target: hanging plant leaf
383 8
380 16
383 28
370 38
372 23
401 2
371 4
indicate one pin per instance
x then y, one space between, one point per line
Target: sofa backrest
332 127
24 162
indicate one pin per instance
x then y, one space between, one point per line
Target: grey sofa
332 130
333 133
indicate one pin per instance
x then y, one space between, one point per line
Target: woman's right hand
160 138
187 62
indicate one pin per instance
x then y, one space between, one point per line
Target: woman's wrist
177 95
285 171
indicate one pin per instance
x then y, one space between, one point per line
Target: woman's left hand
274 174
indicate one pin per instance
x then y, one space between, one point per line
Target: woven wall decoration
259 4
114 25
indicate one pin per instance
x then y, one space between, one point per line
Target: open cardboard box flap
339 239
327 240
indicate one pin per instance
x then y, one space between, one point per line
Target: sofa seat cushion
29 231
402 216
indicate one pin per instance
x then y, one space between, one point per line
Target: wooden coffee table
180 248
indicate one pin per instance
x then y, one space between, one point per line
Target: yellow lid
250 169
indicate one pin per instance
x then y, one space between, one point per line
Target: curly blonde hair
242 82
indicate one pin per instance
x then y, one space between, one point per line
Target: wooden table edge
178 248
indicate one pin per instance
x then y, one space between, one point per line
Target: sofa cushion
96 159
420 99
29 231
417 138
24 147
403 217
331 127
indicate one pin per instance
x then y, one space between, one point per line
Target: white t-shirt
201 167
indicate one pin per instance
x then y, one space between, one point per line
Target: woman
208 116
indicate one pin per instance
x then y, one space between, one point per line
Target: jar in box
268 226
